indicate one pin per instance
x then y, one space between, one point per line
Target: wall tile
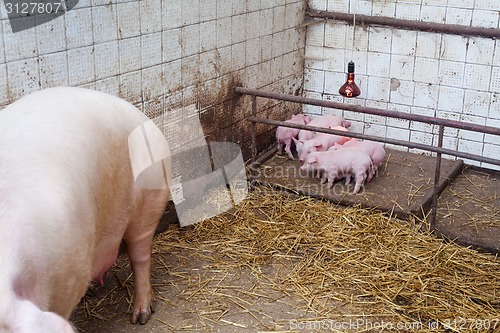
402 92
190 40
485 18
426 70
49 36
433 14
19 45
453 48
379 39
451 99
476 103
151 54
404 42
128 17
480 51
54 70
460 16
428 45
477 77
408 11
426 95
338 5
81 65
335 60
106 60
171 14
379 64
130 54
150 12
451 73
335 35
378 89
402 67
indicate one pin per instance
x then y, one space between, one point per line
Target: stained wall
165 55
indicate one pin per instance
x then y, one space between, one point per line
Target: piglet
284 135
374 149
322 142
68 196
320 121
340 163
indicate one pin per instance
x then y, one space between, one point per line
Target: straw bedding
314 261
351 261
473 191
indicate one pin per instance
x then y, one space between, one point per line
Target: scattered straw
323 263
474 191
346 261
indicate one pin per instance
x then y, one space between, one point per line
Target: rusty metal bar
408 144
254 135
369 110
454 29
437 175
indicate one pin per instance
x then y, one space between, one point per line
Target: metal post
253 167
435 194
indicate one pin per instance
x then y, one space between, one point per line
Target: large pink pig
284 135
340 163
374 149
320 121
68 197
322 142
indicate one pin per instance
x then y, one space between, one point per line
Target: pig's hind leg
138 239
288 149
372 172
280 147
347 178
359 177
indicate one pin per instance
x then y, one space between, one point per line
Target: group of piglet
331 156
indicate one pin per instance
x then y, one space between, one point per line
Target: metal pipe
408 144
369 110
435 193
254 129
454 29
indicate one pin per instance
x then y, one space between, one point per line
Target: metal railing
440 122
445 28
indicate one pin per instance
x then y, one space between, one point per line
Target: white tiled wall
432 74
161 54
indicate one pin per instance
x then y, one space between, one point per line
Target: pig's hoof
141 316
